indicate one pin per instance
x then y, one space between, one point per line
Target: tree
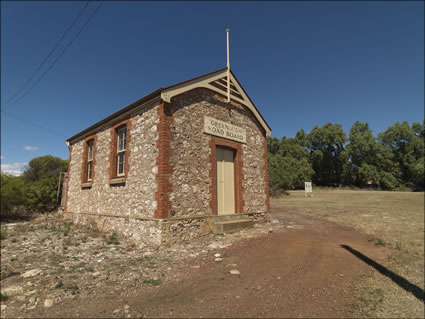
406 144
42 178
41 195
272 145
289 167
416 169
35 190
367 157
287 172
12 194
326 145
45 167
362 144
290 147
393 159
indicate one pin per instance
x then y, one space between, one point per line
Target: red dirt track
297 270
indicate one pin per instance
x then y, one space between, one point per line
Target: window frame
90 151
85 180
115 177
121 139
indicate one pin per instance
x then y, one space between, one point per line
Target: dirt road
298 269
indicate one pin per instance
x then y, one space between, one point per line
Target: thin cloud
30 148
14 169
1 157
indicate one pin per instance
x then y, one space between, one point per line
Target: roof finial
228 67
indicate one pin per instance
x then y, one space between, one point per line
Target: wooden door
225 181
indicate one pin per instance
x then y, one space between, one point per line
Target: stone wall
178 231
137 196
129 209
144 233
153 234
190 157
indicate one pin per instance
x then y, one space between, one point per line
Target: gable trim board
212 81
217 82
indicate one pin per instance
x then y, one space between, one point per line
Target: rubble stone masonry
191 149
168 190
134 197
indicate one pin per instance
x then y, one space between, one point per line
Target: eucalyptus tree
289 165
327 154
406 144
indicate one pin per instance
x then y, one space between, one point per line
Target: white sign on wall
308 188
223 129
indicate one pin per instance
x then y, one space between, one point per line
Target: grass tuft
380 242
73 288
153 281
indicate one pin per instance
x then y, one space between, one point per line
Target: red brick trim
113 150
84 172
68 178
164 186
266 175
221 142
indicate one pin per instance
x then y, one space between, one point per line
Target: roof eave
128 108
151 96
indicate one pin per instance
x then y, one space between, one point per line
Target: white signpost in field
308 189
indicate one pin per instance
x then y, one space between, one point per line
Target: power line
32 123
49 55
59 56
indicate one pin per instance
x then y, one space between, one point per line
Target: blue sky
302 63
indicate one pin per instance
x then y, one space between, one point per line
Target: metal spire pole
228 67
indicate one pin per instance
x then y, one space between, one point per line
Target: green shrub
35 190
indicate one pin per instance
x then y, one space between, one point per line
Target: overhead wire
32 123
58 57
49 55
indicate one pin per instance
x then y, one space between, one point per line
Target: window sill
117 180
86 185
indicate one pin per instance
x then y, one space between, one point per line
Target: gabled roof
215 81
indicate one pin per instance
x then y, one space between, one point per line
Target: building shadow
403 283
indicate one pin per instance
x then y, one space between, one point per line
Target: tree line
35 190
393 160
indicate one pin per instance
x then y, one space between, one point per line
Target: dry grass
396 220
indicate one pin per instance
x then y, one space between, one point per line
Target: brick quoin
113 149
164 186
266 174
238 162
68 178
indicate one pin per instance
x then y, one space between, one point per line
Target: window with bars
121 150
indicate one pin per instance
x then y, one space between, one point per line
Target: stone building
175 164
